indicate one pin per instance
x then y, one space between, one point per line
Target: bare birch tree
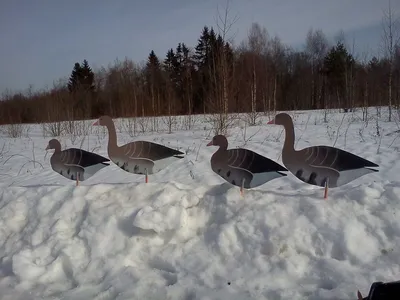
257 46
390 39
317 48
277 53
222 73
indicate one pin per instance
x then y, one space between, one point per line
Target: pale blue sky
42 39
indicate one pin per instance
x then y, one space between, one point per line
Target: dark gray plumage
75 164
242 165
318 164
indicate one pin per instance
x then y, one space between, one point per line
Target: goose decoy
242 167
75 164
320 165
139 157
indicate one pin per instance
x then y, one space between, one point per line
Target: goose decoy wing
252 167
149 151
252 162
338 165
142 157
82 158
334 158
80 161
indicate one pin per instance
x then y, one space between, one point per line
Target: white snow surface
189 235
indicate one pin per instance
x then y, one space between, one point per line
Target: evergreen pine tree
82 78
153 63
154 81
169 61
202 50
337 64
87 76
74 79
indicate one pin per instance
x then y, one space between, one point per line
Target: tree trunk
274 93
390 90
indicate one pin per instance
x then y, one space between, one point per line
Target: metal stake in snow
326 189
242 188
146 178
77 178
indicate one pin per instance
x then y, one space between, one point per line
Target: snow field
187 234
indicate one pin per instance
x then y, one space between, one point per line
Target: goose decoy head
54 144
219 140
102 121
281 119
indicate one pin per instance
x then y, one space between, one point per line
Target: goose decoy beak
210 144
48 147
96 123
359 296
271 122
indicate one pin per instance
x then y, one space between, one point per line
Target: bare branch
224 24
390 39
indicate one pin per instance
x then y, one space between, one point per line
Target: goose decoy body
75 164
320 165
242 167
138 157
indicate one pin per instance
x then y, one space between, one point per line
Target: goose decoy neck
112 134
108 122
223 146
286 121
288 145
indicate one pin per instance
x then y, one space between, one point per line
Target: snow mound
173 241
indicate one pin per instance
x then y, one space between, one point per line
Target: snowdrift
173 241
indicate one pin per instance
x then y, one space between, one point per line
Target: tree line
260 74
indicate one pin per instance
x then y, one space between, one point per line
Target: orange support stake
326 189
242 188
